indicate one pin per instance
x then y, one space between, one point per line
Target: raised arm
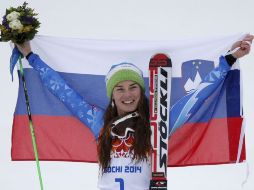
183 109
90 115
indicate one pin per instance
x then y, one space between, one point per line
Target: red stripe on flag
215 142
234 134
65 138
61 138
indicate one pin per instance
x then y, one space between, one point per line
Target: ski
160 67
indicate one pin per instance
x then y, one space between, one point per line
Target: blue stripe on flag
92 88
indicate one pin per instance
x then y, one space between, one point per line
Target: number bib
125 174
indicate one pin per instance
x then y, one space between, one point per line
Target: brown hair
142 142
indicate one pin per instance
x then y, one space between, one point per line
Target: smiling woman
127 139
126 96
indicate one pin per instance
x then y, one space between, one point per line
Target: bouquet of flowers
19 24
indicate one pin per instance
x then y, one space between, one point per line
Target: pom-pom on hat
122 72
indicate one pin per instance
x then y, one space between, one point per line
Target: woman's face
126 96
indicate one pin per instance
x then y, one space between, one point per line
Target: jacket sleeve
183 109
89 115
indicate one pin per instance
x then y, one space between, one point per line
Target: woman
123 129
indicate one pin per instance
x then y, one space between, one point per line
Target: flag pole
31 124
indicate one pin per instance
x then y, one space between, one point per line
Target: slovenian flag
213 135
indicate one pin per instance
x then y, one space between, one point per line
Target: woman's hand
243 46
24 48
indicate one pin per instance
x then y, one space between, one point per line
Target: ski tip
160 60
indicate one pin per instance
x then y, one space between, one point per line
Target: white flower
13 16
15 25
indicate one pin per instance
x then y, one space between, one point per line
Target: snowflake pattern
219 73
88 114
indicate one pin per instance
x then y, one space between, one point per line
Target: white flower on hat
13 16
15 25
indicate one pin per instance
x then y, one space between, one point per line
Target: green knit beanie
122 72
